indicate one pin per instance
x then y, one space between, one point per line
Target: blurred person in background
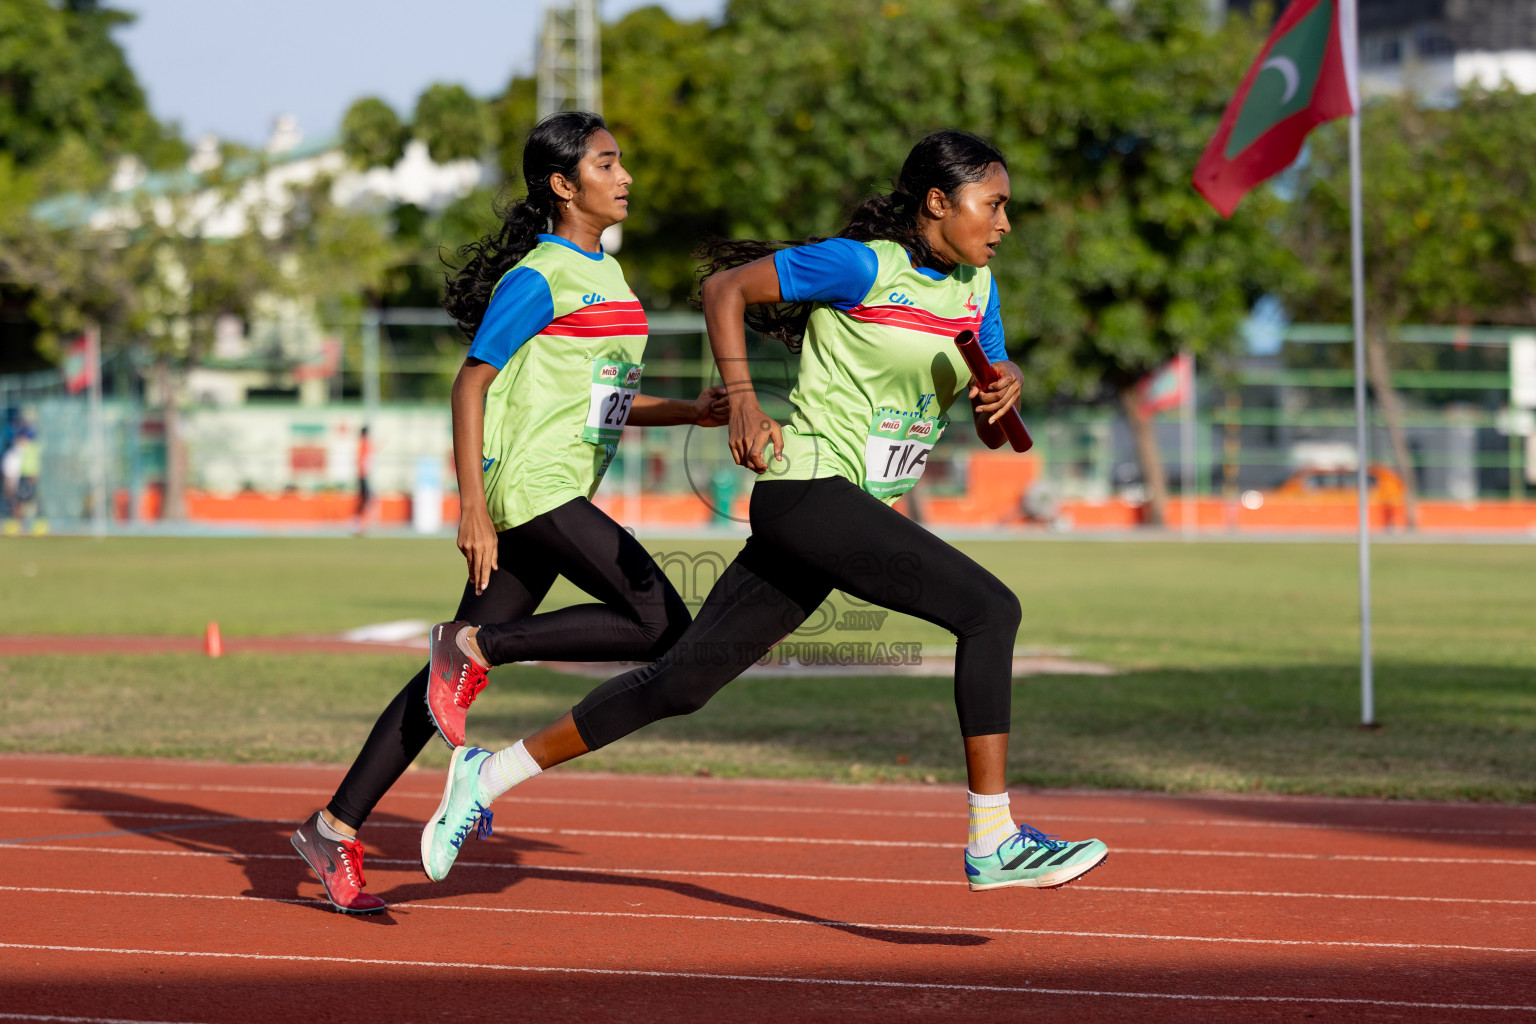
877 309
550 381
364 467
20 467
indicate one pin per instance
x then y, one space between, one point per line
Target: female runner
878 372
551 378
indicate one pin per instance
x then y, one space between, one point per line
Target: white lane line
815 922
840 812
82 1020
115 784
698 837
1301 895
1077 887
1119 850
774 979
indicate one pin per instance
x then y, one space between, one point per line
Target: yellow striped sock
991 823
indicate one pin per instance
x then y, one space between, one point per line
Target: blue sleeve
838 271
992 341
522 307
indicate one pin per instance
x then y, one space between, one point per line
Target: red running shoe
339 863
454 680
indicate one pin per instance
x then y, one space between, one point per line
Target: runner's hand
712 408
751 431
997 399
477 539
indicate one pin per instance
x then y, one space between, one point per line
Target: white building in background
1434 48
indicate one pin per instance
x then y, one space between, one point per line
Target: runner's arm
477 535
726 296
710 409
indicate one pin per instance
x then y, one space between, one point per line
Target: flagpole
1362 426
96 426
1187 470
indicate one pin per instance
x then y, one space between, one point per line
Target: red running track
145 890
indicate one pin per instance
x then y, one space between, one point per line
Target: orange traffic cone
213 643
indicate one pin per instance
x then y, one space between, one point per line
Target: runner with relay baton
877 310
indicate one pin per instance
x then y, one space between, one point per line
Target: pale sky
230 69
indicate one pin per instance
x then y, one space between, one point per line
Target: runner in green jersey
551 380
876 310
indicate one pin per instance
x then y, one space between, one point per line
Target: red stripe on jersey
601 320
912 318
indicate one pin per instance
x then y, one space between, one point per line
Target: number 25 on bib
614 387
896 452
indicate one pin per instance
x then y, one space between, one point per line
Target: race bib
896 452
614 387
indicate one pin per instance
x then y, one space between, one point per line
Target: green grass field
1237 667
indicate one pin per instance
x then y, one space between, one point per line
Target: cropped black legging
807 538
640 615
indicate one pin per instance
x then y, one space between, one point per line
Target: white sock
462 639
328 832
506 768
991 823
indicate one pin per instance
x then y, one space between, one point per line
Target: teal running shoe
1031 858
464 812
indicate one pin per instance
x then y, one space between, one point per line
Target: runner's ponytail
946 160
555 146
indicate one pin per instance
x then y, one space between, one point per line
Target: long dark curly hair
946 160
555 146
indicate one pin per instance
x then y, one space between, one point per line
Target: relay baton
985 373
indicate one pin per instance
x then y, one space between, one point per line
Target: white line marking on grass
82 1020
810 921
773 979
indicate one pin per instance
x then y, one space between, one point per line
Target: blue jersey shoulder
838 272
521 307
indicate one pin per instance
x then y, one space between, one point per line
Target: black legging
640 616
807 538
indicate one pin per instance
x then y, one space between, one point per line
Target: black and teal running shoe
1031 858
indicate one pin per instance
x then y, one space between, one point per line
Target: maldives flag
78 366
1305 75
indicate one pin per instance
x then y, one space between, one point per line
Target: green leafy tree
371 133
69 107
453 124
779 120
156 279
1449 228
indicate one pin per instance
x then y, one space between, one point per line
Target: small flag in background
1165 387
1304 76
78 365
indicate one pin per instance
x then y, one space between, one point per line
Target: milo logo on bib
614 387
896 452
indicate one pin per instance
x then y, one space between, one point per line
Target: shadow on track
273 871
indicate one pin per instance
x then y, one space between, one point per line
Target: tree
371 133
69 107
1449 229
453 124
159 276
792 110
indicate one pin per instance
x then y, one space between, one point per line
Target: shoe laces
472 679
352 857
1029 834
478 822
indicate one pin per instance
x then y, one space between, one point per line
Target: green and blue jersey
567 336
879 368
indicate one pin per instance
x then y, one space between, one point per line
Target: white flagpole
96 426
1351 47
1187 471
